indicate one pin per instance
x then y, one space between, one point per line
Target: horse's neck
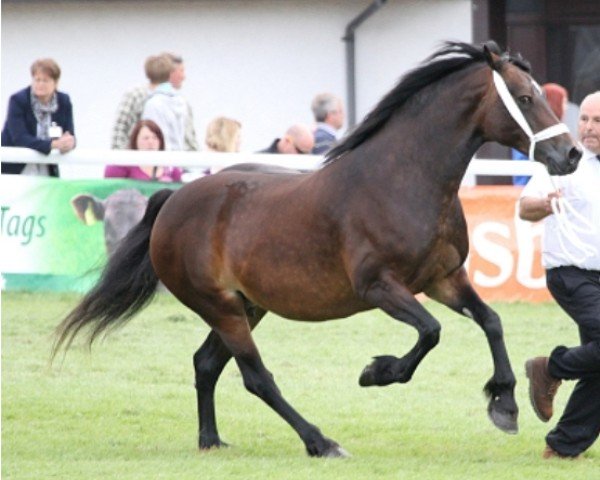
434 141
424 149
422 161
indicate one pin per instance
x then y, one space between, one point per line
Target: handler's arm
534 209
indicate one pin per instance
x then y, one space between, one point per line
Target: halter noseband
517 115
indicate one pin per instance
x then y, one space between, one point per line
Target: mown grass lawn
127 409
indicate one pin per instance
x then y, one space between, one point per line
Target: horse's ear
491 57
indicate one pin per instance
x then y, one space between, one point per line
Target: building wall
258 61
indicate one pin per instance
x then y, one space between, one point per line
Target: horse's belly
309 308
294 292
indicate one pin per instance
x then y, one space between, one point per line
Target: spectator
558 98
298 139
223 135
146 135
39 117
328 111
573 278
166 107
158 69
176 78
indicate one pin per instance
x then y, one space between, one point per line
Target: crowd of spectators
153 116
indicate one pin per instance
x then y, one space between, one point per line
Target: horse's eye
525 100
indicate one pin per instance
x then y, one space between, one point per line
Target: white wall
258 61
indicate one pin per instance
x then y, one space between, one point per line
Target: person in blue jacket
39 117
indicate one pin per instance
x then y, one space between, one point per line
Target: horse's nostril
574 156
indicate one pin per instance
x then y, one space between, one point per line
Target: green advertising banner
55 234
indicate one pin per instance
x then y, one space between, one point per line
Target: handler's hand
548 201
533 209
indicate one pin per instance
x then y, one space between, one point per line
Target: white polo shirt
582 190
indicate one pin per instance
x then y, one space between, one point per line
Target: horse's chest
448 252
438 250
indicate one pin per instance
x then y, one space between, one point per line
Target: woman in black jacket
39 117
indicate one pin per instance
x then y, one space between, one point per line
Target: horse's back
262 168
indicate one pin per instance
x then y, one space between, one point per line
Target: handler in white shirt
573 277
581 190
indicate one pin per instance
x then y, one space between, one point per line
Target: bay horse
379 222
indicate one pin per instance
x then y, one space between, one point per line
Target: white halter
560 206
517 115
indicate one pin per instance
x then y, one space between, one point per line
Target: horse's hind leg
209 362
398 302
228 320
456 292
260 382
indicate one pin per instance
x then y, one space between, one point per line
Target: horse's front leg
397 301
456 292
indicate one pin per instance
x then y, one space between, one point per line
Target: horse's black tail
126 285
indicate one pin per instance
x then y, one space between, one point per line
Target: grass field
127 409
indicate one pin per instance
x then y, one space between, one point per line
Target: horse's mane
457 56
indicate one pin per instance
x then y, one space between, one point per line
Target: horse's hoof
212 444
507 422
336 452
384 370
323 447
367 377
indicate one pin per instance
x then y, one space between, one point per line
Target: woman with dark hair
145 135
39 117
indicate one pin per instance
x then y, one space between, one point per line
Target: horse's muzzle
574 156
566 165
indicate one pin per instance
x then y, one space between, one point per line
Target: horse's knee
431 337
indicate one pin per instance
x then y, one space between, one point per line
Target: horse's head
517 115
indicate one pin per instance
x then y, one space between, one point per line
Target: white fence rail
93 157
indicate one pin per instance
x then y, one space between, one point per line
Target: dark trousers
577 291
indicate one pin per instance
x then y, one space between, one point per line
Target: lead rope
568 229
